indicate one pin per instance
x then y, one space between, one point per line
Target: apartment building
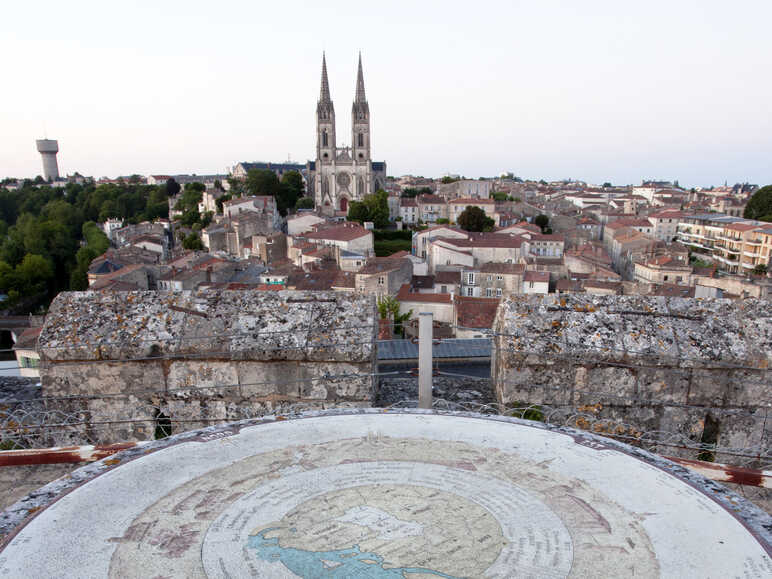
493 280
665 224
736 245
663 269
431 208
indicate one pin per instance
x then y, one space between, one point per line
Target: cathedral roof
360 94
324 93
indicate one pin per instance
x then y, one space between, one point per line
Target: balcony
749 254
726 261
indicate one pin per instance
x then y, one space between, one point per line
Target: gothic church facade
343 174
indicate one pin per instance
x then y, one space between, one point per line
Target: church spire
360 96
324 93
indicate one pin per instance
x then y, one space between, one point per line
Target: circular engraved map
418 518
375 494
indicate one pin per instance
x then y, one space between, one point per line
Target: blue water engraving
340 564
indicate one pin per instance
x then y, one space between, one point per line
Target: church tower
341 175
325 120
360 121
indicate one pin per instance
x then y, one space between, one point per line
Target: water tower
48 148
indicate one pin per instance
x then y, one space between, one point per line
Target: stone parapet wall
126 362
696 368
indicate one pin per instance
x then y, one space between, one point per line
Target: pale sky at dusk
591 90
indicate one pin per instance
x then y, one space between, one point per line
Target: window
381 280
324 138
665 278
360 140
490 277
530 284
27 362
488 292
444 289
499 278
470 292
470 278
498 292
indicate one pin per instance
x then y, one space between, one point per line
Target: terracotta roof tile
476 312
405 295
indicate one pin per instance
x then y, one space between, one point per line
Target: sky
590 90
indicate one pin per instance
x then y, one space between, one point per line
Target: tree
388 308
374 207
760 269
304 203
219 202
293 180
195 186
378 208
206 218
172 187
607 184
291 189
188 204
357 211
542 221
193 242
262 182
33 273
760 204
474 219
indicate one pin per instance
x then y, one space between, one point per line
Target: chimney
384 328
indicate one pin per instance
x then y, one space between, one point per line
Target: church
343 174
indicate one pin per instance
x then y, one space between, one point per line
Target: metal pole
425 360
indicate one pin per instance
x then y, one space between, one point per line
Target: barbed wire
41 427
573 418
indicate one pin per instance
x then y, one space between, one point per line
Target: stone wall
195 358
696 368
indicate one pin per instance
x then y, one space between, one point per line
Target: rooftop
476 312
405 295
344 232
485 240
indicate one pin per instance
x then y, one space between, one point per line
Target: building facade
343 174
